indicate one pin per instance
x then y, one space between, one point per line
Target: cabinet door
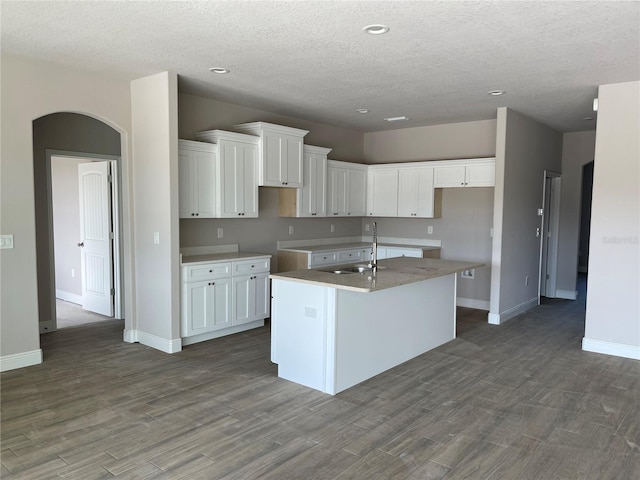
238 187
392 252
415 192
250 298
348 256
312 197
196 177
382 198
449 176
206 306
324 258
281 160
337 184
482 175
357 193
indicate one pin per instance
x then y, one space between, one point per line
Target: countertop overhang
220 257
394 273
346 245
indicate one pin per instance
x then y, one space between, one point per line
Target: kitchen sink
361 269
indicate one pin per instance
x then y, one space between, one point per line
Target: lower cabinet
222 298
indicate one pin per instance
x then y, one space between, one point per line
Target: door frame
548 262
116 192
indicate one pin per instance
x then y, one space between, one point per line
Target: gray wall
524 150
68 132
578 149
66 226
612 322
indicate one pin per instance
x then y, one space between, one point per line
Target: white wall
524 150
435 142
612 322
154 113
29 91
578 149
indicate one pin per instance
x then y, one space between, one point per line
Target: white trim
500 318
130 336
567 294
164 345
472 303
203 337
69 297
20 360
611 348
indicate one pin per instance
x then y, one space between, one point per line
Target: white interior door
95 237
549 240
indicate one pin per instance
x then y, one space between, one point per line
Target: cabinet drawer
206 271
319 259
249 266
346 256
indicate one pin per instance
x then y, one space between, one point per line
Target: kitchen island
331 331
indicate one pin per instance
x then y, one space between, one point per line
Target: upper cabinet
236 184
402 191
197 179
346 189
311 199
466 173
279 153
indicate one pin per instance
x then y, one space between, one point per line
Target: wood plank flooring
519 401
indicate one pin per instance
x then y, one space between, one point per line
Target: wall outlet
469 273
73 273
526 280
156 238
6 241
430 230
333 228
366 227
290 229
220 233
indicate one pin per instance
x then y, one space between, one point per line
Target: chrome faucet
374 248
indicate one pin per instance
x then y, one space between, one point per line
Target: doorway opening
84 193
585 217
550 219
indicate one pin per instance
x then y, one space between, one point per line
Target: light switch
430 230
6 241
156 238
220 233
290 229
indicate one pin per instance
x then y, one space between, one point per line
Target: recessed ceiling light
396 119
219 70
362 111
376 29
496 93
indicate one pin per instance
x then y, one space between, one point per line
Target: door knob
81 244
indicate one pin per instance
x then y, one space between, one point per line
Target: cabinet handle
212 283
81 244
313 214
193 214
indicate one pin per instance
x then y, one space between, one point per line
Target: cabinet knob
197 214
193 214
81 244
313 214
210 271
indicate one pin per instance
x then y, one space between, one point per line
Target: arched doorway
65 135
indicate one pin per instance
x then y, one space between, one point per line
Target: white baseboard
130 336
203 337
164 345
69 297
500 318
472 303
20 360
567 294
611 348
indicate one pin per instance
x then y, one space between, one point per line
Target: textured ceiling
310 59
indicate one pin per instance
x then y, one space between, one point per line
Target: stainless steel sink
361 269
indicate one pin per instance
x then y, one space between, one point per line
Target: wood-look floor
515 402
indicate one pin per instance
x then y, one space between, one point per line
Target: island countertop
345 245
393 272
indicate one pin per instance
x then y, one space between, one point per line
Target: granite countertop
344 246
220 257
393 273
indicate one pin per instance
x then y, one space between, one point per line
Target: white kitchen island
332 331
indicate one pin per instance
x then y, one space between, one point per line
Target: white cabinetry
311 199
221 298
393 252
236 185
346 189
465 173
279 153
402 191
197 179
